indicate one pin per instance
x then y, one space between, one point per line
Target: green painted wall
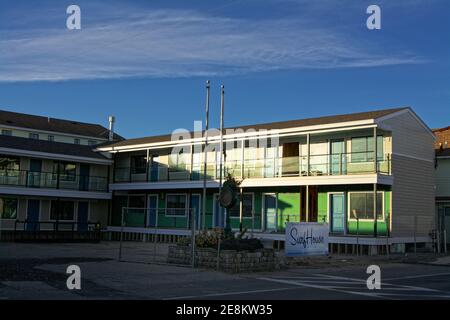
288 208
322 207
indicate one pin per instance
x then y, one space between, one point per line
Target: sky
146 62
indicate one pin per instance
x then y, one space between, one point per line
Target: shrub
210 239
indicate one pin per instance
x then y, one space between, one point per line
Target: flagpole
222 106
205 158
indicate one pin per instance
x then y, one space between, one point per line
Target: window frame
383 215
33 135
63 176
74 218
185 206
3 208
243 214
7 132
368 153
133 166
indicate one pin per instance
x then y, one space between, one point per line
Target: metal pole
307 203
121 234
375 217
241 209
205 160
155 232
415 240
193 220
222 105
357 236
445 241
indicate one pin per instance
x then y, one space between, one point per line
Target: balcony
48 180
356 163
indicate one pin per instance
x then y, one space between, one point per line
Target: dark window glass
136 201
33 135
8 208
51 138
6 132
138 164
247 207
64 210
9 163
176 205
66 170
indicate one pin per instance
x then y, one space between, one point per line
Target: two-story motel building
335 169
50 174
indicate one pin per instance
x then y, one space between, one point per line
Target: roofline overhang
262 133
71 135
53 156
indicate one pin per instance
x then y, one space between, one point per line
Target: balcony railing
318 165
30 179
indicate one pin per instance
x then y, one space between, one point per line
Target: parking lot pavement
38 271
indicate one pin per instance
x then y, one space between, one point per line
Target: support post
147 165
375 148
241 209
205 160
308 137
307 203
121 234
221 152
375 218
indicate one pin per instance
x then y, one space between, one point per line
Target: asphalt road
38 271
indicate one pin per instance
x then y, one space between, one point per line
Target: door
195 207
337 157
83 212
290 159
84 177
337 213
270 211
34 176
33 209
447 223
152 207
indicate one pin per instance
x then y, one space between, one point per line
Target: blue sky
146 62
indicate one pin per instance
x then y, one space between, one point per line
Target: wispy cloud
180 43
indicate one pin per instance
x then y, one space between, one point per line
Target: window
6 132
92 142
177 161
8 208
247 207
76 141
32 135
176 205
66 170
51 138
62 210
9 163
362 149
136 201
361 205
138 164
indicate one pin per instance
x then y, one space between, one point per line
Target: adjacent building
369 175
443 182
50 176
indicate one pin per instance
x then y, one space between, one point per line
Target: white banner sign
306 238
